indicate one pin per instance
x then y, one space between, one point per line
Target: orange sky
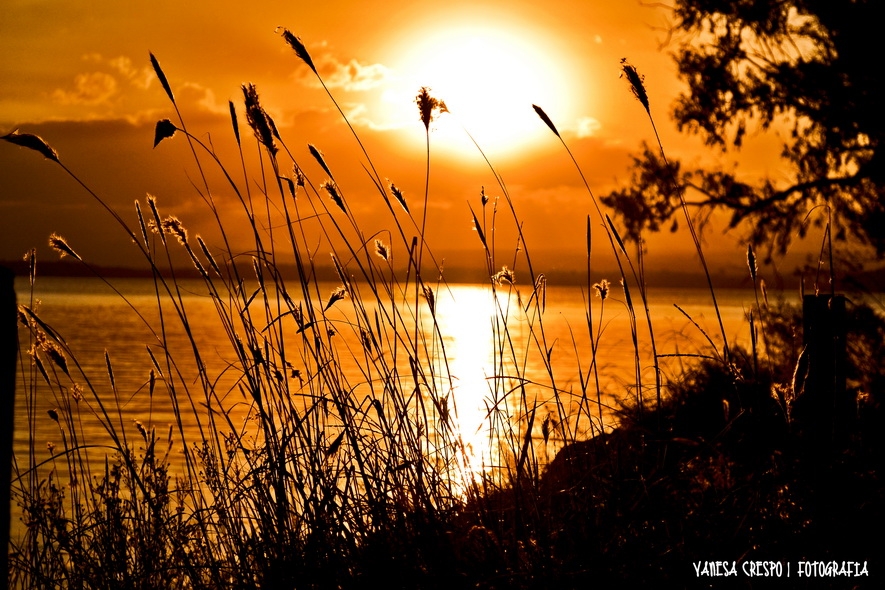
78 74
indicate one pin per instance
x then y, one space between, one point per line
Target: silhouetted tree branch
749 64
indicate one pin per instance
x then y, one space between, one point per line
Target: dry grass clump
328 450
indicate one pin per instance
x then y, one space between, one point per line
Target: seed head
33 142
546 119
331 188
399 196
430 297
162 78
505 274
31 258
258 119
142 224
155 224
233 120
541 291
337 295
298 315
164 129
55 354
299 48
751 262
382 250
429 107
59 244
637 83
318 156
345 281
546 426
171 225
208 255
366 340
602 288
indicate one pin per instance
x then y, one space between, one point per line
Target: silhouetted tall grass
337 457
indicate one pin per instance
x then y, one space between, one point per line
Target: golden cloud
89 89
351 76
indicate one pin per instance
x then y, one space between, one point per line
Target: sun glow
489 80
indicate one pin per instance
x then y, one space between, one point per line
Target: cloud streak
93 88
352 76
587 127
139 77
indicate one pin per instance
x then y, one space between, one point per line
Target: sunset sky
78 74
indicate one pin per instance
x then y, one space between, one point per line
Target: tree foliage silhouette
807 66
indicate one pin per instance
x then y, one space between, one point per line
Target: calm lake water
552 338
93 319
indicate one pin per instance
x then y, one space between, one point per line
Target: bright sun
489 80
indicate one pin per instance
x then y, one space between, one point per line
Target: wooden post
8 357
824 407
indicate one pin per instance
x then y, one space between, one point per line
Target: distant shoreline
874 280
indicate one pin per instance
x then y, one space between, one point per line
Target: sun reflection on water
465 318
